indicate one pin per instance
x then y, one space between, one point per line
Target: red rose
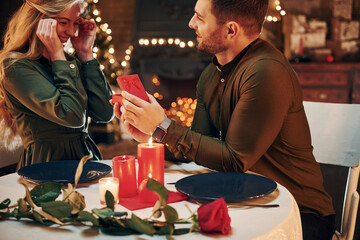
214 217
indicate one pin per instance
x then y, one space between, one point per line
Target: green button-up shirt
250 116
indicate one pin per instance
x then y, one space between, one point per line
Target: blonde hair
21 42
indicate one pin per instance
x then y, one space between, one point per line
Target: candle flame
150 140
150 176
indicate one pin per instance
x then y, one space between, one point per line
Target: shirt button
222 80
72 65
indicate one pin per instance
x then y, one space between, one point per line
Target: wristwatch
161 130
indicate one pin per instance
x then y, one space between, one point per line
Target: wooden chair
335 133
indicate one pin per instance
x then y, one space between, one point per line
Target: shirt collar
230 65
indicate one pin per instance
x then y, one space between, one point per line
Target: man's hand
134 132
141 114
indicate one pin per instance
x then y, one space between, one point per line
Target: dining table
248 219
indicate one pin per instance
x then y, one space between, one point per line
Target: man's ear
233 29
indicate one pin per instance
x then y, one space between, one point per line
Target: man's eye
63 23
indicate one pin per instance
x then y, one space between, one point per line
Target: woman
46 94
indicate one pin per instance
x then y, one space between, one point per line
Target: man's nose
192 22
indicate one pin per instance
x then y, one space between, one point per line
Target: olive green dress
51 102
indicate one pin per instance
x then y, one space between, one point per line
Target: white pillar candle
112 185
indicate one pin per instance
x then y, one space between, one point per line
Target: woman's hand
84 42
141 114
46 32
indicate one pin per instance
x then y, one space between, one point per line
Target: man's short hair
250 14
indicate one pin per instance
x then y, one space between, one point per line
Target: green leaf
109 199
45 192
107 212
181 231
118 231
140 225
87 216
171 214
57 209
167 230
5 204
22 206
162 192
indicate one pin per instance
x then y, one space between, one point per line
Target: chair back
335 135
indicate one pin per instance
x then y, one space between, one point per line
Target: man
249 113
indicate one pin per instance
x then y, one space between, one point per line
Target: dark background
132 19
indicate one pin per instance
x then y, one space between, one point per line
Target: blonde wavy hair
21 42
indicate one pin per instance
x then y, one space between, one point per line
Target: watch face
158 134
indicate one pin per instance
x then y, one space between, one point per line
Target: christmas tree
104 49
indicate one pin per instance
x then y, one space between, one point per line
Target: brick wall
119 14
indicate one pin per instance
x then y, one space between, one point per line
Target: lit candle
145 194
108 184
151 161
124 170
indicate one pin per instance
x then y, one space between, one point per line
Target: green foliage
45 192
4 204
86 216
109 199
41 204
57 209
139 225
171 214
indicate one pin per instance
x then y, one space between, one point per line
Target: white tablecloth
247 222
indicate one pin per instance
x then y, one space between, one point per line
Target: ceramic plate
233 187
64 171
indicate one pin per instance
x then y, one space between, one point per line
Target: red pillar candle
151 161
145 194
124 170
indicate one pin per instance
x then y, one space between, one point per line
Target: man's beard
211 44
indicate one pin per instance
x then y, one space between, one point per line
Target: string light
103 49
144 42
278 9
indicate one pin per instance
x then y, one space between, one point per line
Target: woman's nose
71 30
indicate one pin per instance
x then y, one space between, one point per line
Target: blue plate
233 187
63 171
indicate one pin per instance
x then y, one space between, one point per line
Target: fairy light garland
280 12
182 110
145 42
